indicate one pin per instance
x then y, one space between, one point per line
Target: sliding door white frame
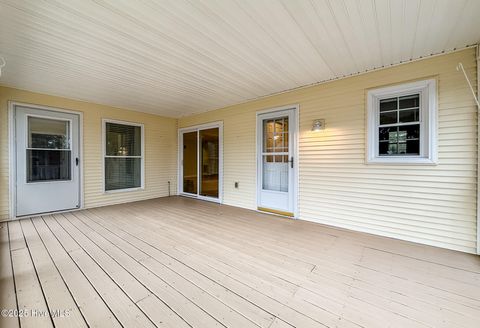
198 128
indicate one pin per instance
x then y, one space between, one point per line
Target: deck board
32 304
155 281
124 309
8 299
65 311
90 303
177 262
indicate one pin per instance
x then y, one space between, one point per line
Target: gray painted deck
177 262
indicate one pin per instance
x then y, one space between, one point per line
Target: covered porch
179 262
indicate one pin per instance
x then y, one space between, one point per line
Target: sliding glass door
209 165
200 164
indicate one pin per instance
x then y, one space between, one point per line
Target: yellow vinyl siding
435 205
160 148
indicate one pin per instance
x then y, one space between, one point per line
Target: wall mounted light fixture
318 125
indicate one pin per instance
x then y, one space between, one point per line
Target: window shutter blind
123 158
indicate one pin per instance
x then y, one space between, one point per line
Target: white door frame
219 125
478 150
12 152
295 136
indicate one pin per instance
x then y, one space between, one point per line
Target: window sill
122 190
402 161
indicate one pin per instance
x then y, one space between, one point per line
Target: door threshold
272 211
207 199
45 213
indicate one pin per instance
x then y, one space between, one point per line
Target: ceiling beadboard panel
179 57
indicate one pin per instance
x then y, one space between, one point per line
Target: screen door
47 161
276 162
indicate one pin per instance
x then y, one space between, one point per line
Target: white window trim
104 155
428 123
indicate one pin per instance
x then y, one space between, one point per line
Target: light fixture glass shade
318 125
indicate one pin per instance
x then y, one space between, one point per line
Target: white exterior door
47 161
276 162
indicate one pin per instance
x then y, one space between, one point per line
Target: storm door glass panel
48 150
209 162
275 154
190 162
123 156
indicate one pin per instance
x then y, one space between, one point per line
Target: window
402 124
48 151
123 155
275 154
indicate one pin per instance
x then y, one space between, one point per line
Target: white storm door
276 162
47 161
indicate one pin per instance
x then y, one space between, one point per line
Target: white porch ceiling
180 57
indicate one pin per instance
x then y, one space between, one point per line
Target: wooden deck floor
177 262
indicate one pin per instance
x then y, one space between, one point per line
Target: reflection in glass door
209 162
201 162
190 176
275 154
48 149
